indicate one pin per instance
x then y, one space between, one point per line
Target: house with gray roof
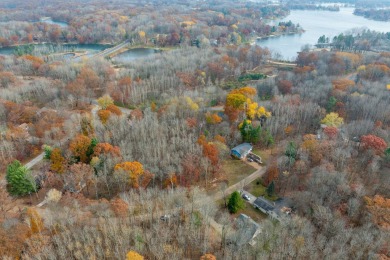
245 230
241 151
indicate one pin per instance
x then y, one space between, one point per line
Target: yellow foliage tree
263 112
36 223
142 34
236 100
247 91
251 109
332 119
133 169
192 105
57 161
132 255
105 101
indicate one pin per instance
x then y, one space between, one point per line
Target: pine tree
235 202
19 180
271 189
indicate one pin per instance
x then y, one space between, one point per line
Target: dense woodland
179 22
125 144
374 14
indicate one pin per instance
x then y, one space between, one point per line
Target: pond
134 54
50 21
315 24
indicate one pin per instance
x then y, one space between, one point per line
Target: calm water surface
315 24
50 21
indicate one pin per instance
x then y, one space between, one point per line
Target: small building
245 230
241 151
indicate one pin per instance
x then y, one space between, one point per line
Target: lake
50 21
315 24
134 54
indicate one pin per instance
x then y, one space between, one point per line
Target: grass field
236 170
264 154
257 189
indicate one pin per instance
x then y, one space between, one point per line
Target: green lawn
259 190
249 210
264 154
236 170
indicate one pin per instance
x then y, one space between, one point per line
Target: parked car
165 217
246 197
249 160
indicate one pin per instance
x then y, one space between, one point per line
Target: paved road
109 51
34 161
239 185
289 64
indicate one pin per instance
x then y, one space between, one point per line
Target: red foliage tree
331 132
285 86
374 142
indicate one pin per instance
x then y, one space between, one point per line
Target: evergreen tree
291 150
249 133
271 189
19 180
47 152
235 202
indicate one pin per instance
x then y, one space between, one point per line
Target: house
245 231
275 210
241 151
264 205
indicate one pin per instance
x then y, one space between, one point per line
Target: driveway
252 197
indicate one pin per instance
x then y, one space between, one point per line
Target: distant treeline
374 14
364 41
298 6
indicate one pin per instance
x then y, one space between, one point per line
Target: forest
102 159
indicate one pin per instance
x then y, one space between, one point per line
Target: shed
241 151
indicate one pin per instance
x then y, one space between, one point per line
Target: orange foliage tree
57 161
210 151
120 207
104 115
106 148
213 118
171 181
191 122
133 169
36 223
342 84
208 257
379 207
132 255
271 174
79 147
219 138
114 109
